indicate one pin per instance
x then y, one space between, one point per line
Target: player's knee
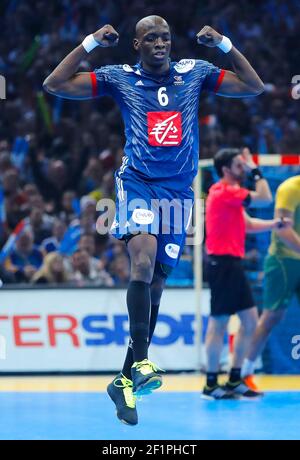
142 268
217 326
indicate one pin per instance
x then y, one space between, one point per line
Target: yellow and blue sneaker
145 377
120 391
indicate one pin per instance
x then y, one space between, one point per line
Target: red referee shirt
225 222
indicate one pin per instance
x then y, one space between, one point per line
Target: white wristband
225 44
89 43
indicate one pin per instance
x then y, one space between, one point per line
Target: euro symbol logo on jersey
164 129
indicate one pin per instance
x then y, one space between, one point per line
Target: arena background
57 159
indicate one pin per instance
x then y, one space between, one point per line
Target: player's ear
225 170
136 44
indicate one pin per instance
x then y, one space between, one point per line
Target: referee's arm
254 225
262 195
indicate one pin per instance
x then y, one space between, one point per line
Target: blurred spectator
87 243
40 223
88 206
111 157
91 181
25 259
15 199
5 163
54 178
6 277
52 270
116 248
53 242
67 213
119 269
84 273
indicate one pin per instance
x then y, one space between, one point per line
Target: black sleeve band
256 174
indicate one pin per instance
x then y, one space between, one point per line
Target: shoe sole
148 387
121 419
248 398
125 421
212 398
208 398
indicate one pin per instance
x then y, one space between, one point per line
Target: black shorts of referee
230 289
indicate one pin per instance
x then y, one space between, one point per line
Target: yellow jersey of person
287 197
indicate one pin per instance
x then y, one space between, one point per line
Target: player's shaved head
153 43
148 23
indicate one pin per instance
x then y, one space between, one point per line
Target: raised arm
65 81
262 195
244 81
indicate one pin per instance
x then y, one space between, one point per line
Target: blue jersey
161 117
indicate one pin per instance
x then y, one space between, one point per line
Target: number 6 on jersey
162 96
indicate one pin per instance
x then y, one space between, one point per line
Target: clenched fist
248 159
282 222
209 37
106 36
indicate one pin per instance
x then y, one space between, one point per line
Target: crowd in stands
58 157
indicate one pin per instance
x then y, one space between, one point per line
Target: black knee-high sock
129 356
138 304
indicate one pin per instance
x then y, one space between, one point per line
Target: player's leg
128 223
222 284
248 322
248 315
280 281
214 341
156 289
138 375
267 321
127 407
142 251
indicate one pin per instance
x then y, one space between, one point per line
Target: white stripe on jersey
120 188
119 180
189 219
124 165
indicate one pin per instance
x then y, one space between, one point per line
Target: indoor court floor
74 408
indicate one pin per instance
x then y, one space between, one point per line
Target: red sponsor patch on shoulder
164 129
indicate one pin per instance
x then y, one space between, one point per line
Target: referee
226 227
